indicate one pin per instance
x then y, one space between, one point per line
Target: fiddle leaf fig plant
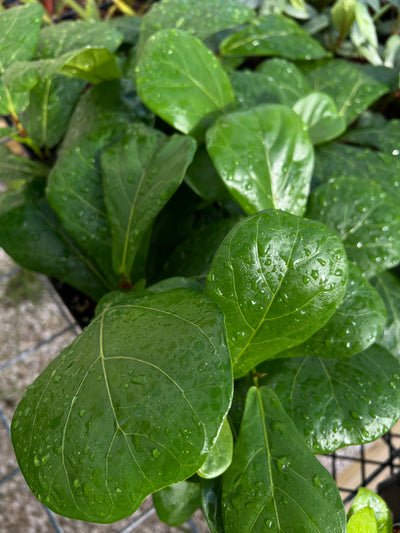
225 188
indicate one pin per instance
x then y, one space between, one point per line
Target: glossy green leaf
388 287
115 405
284 80
343 16
179 79
211 503
140 174
384 136
75 192
352 86
56 40
251 89
273 35
318 111
192 258
176 504
16 167
362 521
366 24
278 279
129 27
357 323
201 19
336 403
271 468
264 156
367 498
366 217
91 64
203 179
31 233
220 456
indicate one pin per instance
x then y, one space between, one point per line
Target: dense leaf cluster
224 188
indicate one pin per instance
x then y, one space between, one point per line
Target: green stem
381 12
28 142
78 9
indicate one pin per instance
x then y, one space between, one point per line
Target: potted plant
223 182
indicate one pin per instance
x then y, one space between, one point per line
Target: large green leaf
366 217
179 79
251 89
275 483
273 35
357 323
56 40
16 167
388 287
284 80
318 111
384 136
140 174
335 403
31 233
351 86
278 279
368 498
127 409
264 156
198 18
176 504
75 192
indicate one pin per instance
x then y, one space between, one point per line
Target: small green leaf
91 64
384 136
176 504
366 24
366 217
339 393
318 111
278 279
388 287
132 410
220 456
16 167
352 86
201 19
362 521
284 80
149 167
31 233
343 16
365 498
264 156
271 464
211 503
357 323
179 79
274 35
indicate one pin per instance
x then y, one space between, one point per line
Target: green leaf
31 233
179 79
176 504
366 24
75 192
16 167
251 89
271 465
336 403
58 39
192 258
343 16
357 323
366 217
201 19
388 287
130 27
220 456
7 132
384 137
273 35
352 86
365 498
318 111
19 33
140 174
264 156
91 64
115 405
362 521
284 80
211 504
278 279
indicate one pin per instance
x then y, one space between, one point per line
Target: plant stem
78 9
124 8
381 12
